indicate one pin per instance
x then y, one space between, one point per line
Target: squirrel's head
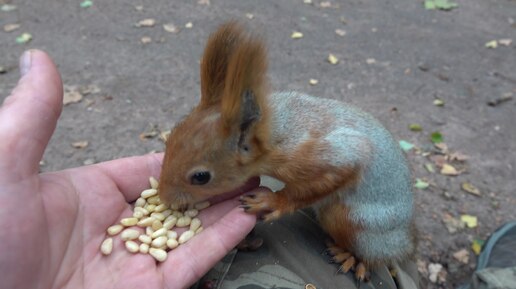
218 146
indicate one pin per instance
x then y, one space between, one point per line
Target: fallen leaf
340 32
80 144
429 167
468 187
370 61
71 95
149 22
436 137
89 89
420 184
307 1
296 35
86 4
203 2
8 7
169 27
164 135
438 102
470 221
146 40
505 41
439 160
457 156
462 256
505 97
449 170
325 4
11 27
405 145
313 81
433 271
415 127
333 59
138 7
452 224
24 38
477 245
88 162
440 5
189 25
442 147
492 44
249 16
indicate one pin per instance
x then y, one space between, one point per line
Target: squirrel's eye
200 178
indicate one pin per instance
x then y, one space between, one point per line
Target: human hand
52 224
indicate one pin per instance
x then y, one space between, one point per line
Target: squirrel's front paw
264 204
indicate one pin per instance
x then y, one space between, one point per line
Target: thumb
29 115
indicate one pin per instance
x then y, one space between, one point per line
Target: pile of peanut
149 230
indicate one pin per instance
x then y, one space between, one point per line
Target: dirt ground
395 59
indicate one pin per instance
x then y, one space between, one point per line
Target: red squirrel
331 156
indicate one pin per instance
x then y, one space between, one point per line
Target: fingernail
25 62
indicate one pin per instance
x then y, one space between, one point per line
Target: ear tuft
214 65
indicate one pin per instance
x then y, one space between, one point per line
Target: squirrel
332 157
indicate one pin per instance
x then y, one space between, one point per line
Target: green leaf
477 245
436 137
415 127
24 38
405 145
86 3
440 4
420 184
429 167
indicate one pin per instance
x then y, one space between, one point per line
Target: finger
192 260
29 115
131 175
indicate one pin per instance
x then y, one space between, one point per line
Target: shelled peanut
150 229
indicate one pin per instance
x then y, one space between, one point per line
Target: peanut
129 234
107 246
183 221
199 230
132 246
195 224
159 241
137 214
144 248
115 229
128 222
153 183
158 254
158 216
154 200
202 205
172 243
167 213
149 193
191 213
172 234
145 239
156 225
146 222
185 237
160 208
159 233
170 223
140 202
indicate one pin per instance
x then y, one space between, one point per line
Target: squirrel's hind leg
334 219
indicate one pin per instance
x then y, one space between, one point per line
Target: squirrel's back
382 201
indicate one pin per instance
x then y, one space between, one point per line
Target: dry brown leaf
457 156
11 27
89 89
204 2
146 40
71 95
442 147
505 41
80 144
462 256
449 170
149 22
164 135
468 187
438 160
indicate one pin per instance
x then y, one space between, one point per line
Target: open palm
52 224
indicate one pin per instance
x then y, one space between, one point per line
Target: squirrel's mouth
249 185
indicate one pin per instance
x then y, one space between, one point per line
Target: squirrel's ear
214 65
245 87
